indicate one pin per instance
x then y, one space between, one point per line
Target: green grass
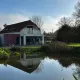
74 44
6 52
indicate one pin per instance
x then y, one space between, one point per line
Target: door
17 40
21 40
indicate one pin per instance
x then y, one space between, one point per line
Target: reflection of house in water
28 65
30 62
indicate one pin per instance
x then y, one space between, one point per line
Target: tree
65 21
63 33
37 20
76 14
66 33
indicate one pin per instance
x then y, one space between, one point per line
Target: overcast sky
13 11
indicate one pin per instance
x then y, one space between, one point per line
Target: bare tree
37 20
76 14
65 21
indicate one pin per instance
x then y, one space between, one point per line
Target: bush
7 50
29 50
56 47
46 49
14 49
60 47
3 54
76 50
17 54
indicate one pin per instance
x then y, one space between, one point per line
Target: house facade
23 33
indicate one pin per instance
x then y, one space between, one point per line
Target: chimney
5 25
52 30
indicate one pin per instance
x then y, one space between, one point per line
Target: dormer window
30 29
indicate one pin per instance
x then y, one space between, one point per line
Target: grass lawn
74 44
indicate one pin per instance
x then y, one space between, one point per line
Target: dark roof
28 69
18 26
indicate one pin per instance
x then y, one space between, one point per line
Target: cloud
49 24
11 19
49 21
18 18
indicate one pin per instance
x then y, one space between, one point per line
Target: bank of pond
51 49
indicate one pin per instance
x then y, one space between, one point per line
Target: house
23 33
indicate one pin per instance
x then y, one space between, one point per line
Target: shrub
29 50
56 47
17 54
46 49
76 50
3 54
60 47
14 49
7 50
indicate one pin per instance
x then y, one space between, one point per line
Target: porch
29 40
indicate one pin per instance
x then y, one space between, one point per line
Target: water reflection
31 64
55 68
67 61
27 65
77 72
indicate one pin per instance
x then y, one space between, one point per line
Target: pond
56 68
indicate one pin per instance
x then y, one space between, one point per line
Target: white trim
31 34
24 39
43 39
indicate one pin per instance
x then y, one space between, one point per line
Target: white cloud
11 19
49 21
18 18
49 24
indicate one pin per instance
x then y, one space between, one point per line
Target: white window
30 30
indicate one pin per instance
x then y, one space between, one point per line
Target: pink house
23 33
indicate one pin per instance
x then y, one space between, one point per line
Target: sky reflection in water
44 69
